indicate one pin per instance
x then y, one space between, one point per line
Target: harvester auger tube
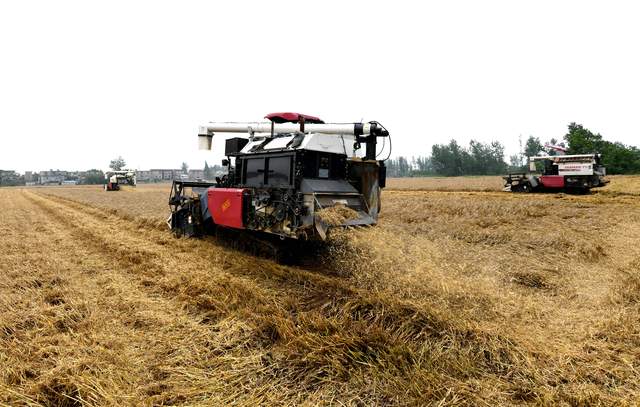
283 174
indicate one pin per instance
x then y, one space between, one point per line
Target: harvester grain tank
559 173
281 175
113 179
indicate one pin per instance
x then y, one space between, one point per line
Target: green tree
403 167
449 159
532 147
423 166
497 164
117 164
617 157
392 167
207 171
185 168
485 159
515 163
93 177
479 159
583 141
10 178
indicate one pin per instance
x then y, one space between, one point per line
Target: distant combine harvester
559 173
113 179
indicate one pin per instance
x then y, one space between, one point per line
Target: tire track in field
160 265
89 315
313 324
211 303
309 288
272 290
152 247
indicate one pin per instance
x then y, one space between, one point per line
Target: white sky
82 82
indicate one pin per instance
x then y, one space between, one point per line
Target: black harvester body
281 176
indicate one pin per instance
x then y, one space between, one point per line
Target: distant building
52 177
165 174
59 177
30 178
158 175
10 177
145 176
196 174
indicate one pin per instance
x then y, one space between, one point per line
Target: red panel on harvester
225 205
552 181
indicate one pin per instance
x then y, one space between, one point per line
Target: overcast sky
83 82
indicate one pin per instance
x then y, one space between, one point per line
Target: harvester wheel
521 187
577 190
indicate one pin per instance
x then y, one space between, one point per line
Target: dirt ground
461 295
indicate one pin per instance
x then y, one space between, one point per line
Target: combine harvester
113 179
560 173
281 175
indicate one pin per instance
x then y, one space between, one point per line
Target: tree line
453 159
617 157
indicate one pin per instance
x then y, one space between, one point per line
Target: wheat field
461 295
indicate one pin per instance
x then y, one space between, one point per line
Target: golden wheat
460 295
481 183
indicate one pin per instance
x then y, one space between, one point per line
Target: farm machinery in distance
559 173
113 179
280 176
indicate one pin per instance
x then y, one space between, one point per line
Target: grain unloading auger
281 177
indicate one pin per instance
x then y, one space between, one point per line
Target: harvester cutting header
281 175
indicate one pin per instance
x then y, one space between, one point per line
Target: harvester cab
559 173
113 179
293 177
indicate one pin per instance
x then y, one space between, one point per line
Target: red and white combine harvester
280 175
113 179
559 173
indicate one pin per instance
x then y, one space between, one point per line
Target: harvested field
484 183
461 295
